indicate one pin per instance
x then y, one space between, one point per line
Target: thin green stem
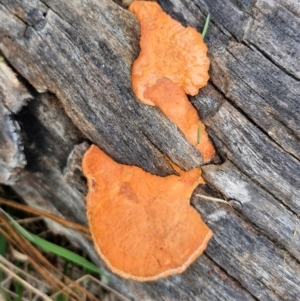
205 26
53 248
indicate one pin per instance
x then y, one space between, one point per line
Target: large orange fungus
143 225
171 64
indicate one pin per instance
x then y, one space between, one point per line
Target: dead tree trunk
73 61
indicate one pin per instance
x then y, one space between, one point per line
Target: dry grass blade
42 265
24 283
18 270
121 297
209 198
51 247
90 280
38 212
29 220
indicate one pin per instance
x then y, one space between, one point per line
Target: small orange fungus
143 225
169 50
172 62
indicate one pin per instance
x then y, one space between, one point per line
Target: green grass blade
3 244
19 289
5 294
20 229
66 254
53 248
3 249
205 26
66 270
62 297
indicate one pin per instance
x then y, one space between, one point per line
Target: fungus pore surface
143 225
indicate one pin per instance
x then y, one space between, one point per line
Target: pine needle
51 247
38 212
24 283
209 198
40 263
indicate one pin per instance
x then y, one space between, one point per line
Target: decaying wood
73 61
13 95
86 62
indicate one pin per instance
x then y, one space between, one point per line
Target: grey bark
73 61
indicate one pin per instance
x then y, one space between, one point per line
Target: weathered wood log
73 60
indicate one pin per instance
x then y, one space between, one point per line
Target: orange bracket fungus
142 225
168 49
172 62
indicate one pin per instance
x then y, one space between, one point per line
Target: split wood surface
72 61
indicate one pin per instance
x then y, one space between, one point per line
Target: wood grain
73 59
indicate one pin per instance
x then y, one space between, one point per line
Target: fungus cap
142 225
172 62
169 50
